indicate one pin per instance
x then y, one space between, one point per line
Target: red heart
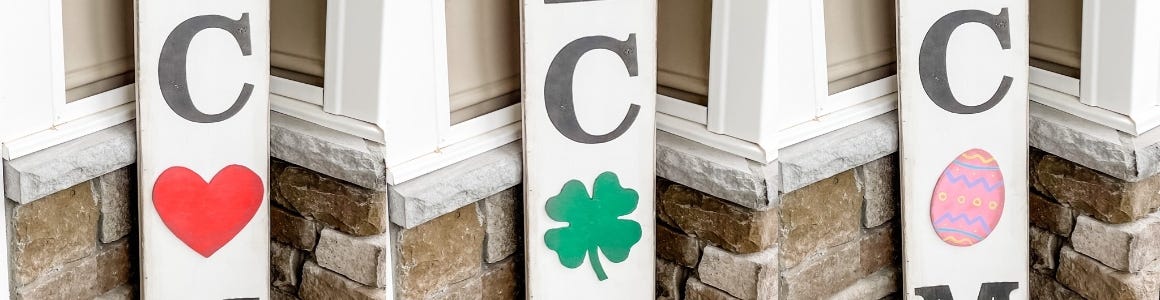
206 216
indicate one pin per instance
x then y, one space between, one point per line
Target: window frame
54 120
382 93
783 99
1118 73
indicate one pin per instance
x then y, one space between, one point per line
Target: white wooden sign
203 114
589 88
963 118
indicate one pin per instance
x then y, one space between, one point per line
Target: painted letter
988 291
171 70
932 61
558 86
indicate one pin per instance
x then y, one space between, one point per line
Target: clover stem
595 261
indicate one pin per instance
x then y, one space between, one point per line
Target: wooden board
589 103
203 158
963 121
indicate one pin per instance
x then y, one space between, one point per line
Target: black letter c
932 60
172 66
558 86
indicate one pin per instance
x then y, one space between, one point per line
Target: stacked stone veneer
77 243
330 236
1092 235
835 238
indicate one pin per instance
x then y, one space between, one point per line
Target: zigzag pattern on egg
968 199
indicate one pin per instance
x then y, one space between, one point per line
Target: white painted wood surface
203 168
567 256
26 80
933 136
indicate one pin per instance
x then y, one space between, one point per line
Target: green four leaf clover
593 223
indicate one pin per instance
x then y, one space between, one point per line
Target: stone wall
78 243
836 238
1092 235
329 241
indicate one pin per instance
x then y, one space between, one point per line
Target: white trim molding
36 113
396 96
1119 69
768 83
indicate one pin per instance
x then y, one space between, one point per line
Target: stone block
836 268
334 153
76 279
60 167
877 286
722 174
670 278
503 280
677 247
877 249
1104 197
281 295
1049 215
1127 247
1091 279
734 228
335 203
115 192
821 276
359 258
285 265
503 226
438 253
319 283
1044 249
1044 287
469 289
437 193
878 181
838 151
288 228
49 232
695 290
123 292
821 215
1098 146
745 276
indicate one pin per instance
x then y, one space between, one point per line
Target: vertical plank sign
589 88
203 113
963 121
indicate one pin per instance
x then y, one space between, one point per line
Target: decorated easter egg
968 199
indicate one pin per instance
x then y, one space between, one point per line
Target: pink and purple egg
968 199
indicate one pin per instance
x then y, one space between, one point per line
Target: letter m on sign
988 291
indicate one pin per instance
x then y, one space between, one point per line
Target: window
452 92
98 46
683 43
483 56
87 46
1055 35
298 40
1097 60
751 77
860 41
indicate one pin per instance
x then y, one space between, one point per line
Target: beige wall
1056 31
298 36
483 50
683 45
860 37
98 45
